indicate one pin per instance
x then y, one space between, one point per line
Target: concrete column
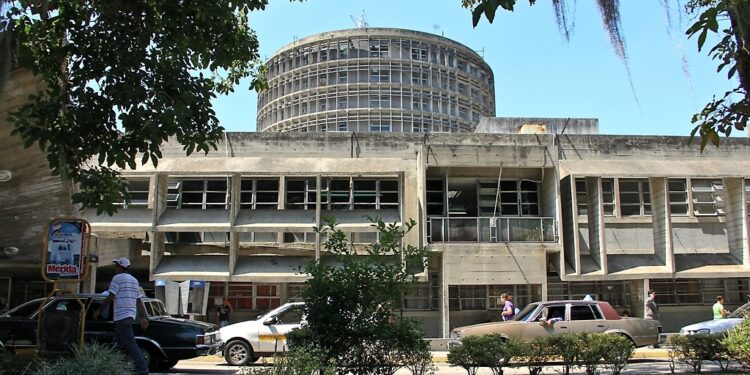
735 206
159 188
158 240
597 239
644 296
662 221
576 252
282 205
444 302
318 182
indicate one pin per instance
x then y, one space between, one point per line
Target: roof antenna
360 22
437 28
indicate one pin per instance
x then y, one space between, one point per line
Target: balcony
491 229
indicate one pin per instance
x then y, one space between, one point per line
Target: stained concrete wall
33 195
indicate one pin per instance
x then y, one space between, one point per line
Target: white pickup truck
247 341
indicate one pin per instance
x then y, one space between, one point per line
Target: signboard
66 248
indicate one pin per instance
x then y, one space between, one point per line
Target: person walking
127 295
224 310
509 309
652 311
718 309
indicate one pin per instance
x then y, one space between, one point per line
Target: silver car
718 325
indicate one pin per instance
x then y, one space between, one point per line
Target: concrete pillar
282 205
574 256
735 206
644 297
444 302
318 183
597 239
158 198
662 221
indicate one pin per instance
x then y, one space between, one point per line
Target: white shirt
127 291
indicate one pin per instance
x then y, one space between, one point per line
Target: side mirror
270 321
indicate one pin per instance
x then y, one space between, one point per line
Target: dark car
165 341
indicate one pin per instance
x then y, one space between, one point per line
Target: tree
121 78
730 19
352 304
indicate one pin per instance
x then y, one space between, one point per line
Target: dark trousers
126 340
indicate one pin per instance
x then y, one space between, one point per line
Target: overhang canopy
655 168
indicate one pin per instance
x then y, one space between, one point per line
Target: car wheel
166 365
239 353
153 359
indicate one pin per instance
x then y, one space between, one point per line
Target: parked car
165 341
718 325
247 341
557 317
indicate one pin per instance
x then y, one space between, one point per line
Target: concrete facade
541 216
376 80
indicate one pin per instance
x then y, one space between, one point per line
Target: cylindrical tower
376 80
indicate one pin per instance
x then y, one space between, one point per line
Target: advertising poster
66 250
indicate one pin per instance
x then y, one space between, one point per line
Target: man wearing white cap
126 293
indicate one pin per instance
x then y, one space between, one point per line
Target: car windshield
526 313
740 312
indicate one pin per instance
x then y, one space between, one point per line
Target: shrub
566 347
692 350
18 363
297 361
418 359
535 354
89 359
466 354
616 352
738 344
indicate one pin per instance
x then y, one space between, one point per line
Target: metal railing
491 229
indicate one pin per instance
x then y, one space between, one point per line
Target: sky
537 72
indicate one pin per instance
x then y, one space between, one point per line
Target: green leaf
476 14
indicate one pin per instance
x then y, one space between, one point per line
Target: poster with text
66 250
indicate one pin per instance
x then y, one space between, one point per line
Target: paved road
646 361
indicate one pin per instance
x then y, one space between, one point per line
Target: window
343 126
635 198
419 102
198 194
300 194
303 109
343 75
419 127
678 196
581 313
379 48
419 78
708 197
380 127
747 195
418 297
581 196
435 199
462 88
343 50
379 74
608 196
246 296
380 101
258 194
138 191
419 53
515 198
471 297
343 103
323 55
294 292
323 106
305 58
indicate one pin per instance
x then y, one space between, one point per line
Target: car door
586 318
18 326
546 322
100 330
272 333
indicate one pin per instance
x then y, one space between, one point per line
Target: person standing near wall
509 309
718 309
652 311
224 310
127 295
